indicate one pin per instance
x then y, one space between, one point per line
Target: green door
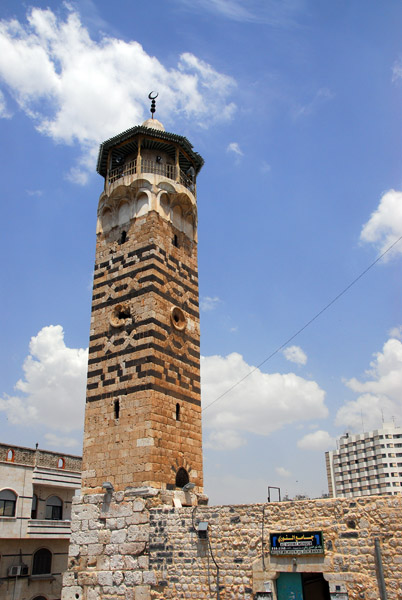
289 586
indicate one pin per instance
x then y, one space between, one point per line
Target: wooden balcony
149 166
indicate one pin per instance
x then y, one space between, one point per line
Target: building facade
366 463
36 492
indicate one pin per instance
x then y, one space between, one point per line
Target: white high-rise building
366 463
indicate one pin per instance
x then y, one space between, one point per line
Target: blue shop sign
296 542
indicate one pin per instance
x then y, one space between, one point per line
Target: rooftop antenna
382 416
153 98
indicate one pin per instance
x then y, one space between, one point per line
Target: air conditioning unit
17 571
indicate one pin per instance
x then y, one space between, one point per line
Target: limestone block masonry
132 546
139 361
143 411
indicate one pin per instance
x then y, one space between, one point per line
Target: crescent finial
153 98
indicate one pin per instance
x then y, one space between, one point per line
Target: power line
347 288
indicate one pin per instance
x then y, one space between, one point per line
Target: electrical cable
306 325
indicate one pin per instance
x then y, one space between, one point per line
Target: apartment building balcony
38 528
61 478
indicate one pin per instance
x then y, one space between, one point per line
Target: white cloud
396 332
4 112
53 387
235 148
397 70
385 224
269 12
295 354
261 404
222 488
37 193
379 395
282 472
207 303
322 95
319 440
265 167
226 439
73 87
59 442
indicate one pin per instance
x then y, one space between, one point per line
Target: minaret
143 410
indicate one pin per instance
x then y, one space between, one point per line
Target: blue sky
296 108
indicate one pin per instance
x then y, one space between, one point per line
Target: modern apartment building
366 463
36 491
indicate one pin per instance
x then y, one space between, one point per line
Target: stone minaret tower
143 413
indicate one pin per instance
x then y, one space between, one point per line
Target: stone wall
130 546
143 410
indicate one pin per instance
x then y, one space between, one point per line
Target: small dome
153 124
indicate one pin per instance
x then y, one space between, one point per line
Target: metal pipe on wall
380 570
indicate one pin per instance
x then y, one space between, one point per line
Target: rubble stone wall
132 546
40 458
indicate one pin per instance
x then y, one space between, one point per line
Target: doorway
302 586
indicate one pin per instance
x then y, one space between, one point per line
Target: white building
36 491
366 463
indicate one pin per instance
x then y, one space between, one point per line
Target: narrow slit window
123 237
175 241
116 409
177 412
34 508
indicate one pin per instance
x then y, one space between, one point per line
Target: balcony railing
149 166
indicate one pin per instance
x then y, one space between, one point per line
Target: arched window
10 455
61 463
42 562
164 204
107 219
34 507
142 205
177 217
39 598
54 508
8 500
124 213
181 478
